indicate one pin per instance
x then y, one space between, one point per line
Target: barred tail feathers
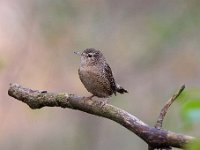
120 89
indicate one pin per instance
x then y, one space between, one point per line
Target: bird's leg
104 102
90 97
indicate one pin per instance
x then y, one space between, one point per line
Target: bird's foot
90 97
104 102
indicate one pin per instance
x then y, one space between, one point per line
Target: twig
164 110
156 138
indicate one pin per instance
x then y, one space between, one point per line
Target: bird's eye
89 55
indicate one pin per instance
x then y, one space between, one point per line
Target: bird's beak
77 53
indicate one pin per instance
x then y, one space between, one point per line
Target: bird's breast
90 74
95 81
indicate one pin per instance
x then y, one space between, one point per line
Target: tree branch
156 138
164 110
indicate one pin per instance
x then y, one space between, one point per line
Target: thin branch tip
182 88
165 108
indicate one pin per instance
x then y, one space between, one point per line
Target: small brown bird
96 75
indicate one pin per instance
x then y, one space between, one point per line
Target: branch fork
155 137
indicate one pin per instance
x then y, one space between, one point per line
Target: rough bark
154 137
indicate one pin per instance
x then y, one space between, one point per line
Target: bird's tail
120 89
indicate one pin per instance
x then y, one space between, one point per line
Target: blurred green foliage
190 110
193 146
55 16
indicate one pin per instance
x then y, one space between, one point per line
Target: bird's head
91 56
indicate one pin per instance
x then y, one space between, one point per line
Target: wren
96 75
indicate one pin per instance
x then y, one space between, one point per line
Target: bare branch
164 110
153 137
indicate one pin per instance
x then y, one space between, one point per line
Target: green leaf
191 110
193 146
190 106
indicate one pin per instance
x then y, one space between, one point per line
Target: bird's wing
109 76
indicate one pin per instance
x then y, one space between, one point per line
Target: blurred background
153 47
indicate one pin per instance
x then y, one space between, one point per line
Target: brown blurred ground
152 46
